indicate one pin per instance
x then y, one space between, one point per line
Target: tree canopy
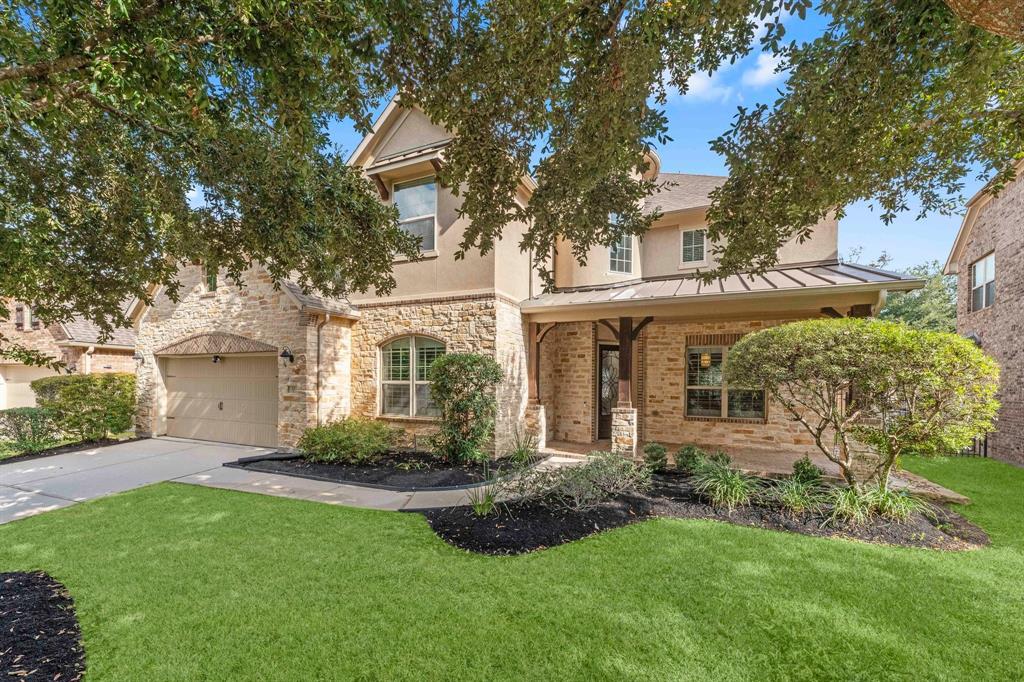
143 134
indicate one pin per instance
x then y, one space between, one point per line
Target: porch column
624 418
535 417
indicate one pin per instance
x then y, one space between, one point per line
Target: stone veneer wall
259 312
567 387
999 229
464 324
664 385
510 352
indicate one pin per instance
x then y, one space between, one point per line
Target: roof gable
974 206
396 131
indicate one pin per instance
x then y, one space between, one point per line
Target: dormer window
417 209
620 255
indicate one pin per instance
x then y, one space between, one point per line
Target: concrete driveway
39 485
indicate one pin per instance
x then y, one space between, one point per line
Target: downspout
87 357
319 326
883 295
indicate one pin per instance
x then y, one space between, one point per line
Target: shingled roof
318 304
684 191
80 330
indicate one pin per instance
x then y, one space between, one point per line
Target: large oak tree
140 135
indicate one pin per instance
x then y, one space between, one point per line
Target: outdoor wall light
705 360
287 355
216 359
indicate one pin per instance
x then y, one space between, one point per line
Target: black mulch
39 634
70 447
520 528
398 471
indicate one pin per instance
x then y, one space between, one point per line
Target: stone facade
999 229
485 324
259 312
624 431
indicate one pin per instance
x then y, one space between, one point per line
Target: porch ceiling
792 288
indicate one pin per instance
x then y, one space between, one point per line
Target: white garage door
16 390
231 401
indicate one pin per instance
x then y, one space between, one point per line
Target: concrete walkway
35 486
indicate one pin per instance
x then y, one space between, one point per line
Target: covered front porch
614 367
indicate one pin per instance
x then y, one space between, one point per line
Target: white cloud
764 71
705 87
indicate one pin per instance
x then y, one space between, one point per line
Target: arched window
404 389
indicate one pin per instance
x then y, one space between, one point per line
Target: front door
607 388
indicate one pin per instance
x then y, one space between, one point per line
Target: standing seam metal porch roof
822 276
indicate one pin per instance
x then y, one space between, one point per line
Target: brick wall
567 387
40 340
999 228
103 360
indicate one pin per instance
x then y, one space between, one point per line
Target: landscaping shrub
688 459
805 471
656 456
349 441
913 391
463 387
725 487
87 407
603 476
27 429
859 506
796 495
849 505
523 449
578 487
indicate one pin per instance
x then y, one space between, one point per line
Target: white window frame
987 301
412 382
612 259
409 181
685 264
724 388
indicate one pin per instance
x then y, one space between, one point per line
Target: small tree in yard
883 384
462 385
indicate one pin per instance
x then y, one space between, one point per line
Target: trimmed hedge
88 407
28 429
351 441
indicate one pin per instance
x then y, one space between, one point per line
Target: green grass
174 582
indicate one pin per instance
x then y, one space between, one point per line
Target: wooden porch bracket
536 333
831 312
436 165
381 187
609 325
640 327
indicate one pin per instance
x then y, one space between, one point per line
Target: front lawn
174 582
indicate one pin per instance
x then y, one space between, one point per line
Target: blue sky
707 110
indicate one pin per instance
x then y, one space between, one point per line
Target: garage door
16 391
231 401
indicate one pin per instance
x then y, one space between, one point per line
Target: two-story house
77 344
987 257
629 347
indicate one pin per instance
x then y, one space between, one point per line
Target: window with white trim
983 282
417 209
620 255
693 246
405 389
708 395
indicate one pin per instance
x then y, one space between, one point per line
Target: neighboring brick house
75 343
259 365
988 258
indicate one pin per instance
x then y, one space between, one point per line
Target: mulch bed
521 528
395 471
70 447
39 634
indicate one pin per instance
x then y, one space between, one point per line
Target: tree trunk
1002 17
